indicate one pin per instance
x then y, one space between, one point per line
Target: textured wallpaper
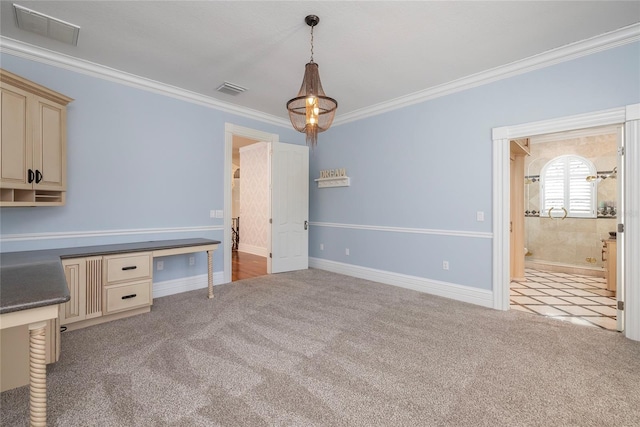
254 198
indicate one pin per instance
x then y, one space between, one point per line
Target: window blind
564 185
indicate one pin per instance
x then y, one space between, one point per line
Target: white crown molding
104 233
571 51
49 57
477 234
454 291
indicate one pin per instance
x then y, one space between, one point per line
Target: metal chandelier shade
311 111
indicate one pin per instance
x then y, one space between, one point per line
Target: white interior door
289 208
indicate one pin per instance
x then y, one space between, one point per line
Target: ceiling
369 52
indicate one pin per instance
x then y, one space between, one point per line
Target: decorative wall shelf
340 181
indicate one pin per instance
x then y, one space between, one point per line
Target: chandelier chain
312 43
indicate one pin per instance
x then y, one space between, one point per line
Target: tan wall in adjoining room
572 240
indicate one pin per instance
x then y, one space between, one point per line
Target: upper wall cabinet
33 143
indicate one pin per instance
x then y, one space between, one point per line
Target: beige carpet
314 348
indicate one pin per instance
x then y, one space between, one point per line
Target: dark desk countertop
33 279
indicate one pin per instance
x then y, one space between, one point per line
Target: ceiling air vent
231 88
39 23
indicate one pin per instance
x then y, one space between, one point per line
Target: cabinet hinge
621 151
270 255
620 228
620 305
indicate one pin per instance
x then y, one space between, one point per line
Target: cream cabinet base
14 353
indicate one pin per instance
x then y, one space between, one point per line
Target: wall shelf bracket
341 181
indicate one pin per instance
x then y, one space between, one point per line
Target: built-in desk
33 285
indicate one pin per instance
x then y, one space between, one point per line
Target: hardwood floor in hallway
245 265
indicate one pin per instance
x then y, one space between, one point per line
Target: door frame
230 130
629 116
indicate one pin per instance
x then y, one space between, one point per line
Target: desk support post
210 277
37 375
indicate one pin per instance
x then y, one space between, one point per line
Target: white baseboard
468 294
185 284
255 250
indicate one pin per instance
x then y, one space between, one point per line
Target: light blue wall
429 166
136 160
139 160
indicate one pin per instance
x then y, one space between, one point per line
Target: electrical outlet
322 246
445 265
160 265
192 260
480 216
346 251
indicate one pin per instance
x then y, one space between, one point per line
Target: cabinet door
84 279
15 139
612 260
49 147
75 272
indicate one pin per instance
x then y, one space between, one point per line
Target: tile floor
579 299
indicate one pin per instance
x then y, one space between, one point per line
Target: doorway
249 136
249 207
628 311
288 202
568 211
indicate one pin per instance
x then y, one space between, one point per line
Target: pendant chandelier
311 111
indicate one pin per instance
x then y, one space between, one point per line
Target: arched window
564 187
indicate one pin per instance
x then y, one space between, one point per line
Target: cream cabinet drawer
127 296
119 268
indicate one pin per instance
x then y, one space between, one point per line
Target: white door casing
289 208
630 117
229 131
620 291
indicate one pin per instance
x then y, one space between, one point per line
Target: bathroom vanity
610 257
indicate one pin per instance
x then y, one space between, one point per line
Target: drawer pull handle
131 267
129 296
